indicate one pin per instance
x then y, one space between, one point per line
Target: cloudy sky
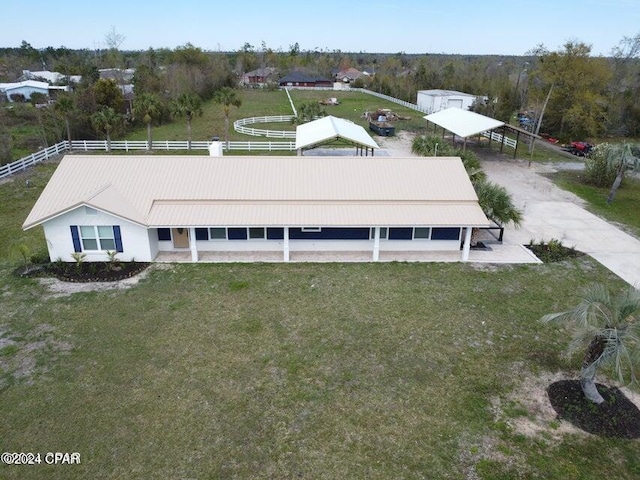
510 27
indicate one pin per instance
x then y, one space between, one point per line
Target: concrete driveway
550 212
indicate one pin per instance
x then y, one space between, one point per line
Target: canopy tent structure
465 124
329 129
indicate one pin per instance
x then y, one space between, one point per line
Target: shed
431 101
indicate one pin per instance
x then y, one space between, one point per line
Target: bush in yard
597 170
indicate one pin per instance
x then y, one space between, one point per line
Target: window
383 233
447 233
202 234
91 237
256 232
311 229
164 234
422 233
216 233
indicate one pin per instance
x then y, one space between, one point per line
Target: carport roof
463 122
328 128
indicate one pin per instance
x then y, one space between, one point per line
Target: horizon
499 28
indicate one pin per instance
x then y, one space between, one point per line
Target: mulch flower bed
87 271
617 417
553 251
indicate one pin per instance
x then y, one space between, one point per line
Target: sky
501 27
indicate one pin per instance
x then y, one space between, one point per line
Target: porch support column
376 244
192 244
286 245
467 244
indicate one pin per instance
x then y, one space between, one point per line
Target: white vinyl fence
239 126
128 145
509 142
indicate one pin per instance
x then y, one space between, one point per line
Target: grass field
258 103
625 208
352 371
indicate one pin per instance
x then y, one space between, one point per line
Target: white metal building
432 101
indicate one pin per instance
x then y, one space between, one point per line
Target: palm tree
188 105
607 328
147 106
497 204
65 105
620 158
228 97
105 120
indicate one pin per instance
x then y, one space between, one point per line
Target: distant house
27 88
259 77
198 207
122 77
432 101
50 77
300 79
348 75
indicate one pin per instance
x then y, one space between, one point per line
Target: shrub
597 171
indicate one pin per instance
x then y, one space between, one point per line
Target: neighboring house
50 77
143 206
432 101
259 77
348 75
25 88
122 77
300 79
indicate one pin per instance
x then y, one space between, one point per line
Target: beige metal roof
200 190
463 122
327 128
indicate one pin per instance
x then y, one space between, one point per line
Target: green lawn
258 103
268 371
625 208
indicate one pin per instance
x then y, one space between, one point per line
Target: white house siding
135 239
27 91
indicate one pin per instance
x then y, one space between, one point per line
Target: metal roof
327 128
157 191
446 93
463 122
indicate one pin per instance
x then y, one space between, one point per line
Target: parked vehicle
580 149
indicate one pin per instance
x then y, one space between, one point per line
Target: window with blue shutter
117 236
75 236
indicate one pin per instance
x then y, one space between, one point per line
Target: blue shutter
75 236
118 238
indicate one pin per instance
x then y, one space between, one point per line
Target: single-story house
348 75
25 88
431 101
259 77
300 79
50 77
142 206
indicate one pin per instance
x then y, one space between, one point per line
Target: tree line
568 93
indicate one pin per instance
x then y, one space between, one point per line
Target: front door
180 237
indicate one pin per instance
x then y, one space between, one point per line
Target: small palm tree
105 120
497 204
227 97
188 105
620 158
65 105
147 106
607 329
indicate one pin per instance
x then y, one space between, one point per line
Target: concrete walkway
550 212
